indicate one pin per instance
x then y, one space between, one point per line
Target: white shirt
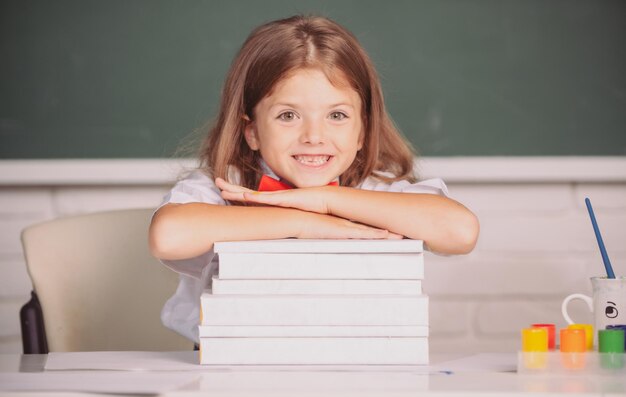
181 312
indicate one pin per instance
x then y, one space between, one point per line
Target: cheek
268 137
352 140
357 134
274 146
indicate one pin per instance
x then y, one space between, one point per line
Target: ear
250 134
361 140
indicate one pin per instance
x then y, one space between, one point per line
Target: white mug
608 304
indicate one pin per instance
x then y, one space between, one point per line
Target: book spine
290 331
316 287
313 351
314 309
321 266
308 246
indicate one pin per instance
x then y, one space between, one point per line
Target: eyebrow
293 105
289 105
341 104
611 303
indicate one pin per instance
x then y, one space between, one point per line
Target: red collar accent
269 184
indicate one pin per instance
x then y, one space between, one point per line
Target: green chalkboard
132 78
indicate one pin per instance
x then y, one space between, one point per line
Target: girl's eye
287 116
338 116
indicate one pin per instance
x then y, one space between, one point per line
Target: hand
231 192
306 199
318 226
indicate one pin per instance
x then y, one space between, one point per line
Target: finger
383 232
264 198
365 232
223 185
283 198
395 236
372 235
233 196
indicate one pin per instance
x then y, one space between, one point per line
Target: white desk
176 374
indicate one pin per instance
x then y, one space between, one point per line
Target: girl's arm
445 225
181 231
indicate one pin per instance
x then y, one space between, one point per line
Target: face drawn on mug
608 302
610 310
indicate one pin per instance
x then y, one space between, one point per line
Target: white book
316 287
321 259
320 246
367 266
314 351
313 309
385 331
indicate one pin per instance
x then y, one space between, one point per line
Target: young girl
301 114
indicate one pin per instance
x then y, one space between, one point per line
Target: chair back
98 285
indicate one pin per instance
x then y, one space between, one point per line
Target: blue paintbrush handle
596 230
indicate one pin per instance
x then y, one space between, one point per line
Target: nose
313 132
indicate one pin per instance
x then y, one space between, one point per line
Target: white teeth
311 160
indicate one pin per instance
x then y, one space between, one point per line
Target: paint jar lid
588 333
551 328
535 339
616 326
611 340
573 340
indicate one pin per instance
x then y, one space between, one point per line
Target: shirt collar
267 170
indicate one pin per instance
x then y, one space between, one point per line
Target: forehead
326 83
336 78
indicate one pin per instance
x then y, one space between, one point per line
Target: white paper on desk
188 361
314 383
97 382
123 361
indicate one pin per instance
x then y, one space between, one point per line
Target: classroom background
520 106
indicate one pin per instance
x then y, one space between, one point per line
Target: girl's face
307 130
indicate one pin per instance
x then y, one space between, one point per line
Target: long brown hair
269 54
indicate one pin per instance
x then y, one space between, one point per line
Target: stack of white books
293 301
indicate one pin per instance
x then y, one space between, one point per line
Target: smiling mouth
316 160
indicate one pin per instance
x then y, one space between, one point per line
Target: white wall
536 244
